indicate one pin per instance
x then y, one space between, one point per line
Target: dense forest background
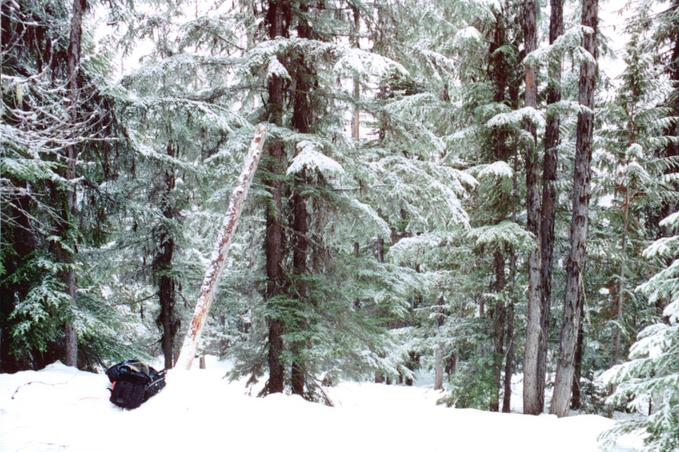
474 188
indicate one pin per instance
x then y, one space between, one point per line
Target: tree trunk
576 402
620 299
673 69
299 269
509 358
68 276
302 118
438 353
214 269
532 397
578 231
549 199
276 24
672 147
162 268
499 328
379 255
356 115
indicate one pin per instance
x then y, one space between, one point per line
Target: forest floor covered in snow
61 408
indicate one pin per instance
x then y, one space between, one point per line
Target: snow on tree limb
516 117
207 290
310 158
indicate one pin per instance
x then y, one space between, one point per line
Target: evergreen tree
59 131
647 382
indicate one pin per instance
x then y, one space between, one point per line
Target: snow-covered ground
60 408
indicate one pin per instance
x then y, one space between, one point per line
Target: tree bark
67 256
509 358
302 118
620 299
672 147
438 353
277 22
549 198
356 115
379 255
162 268
578 232
214 269
299 270
576 402
673 70
531 396
499 328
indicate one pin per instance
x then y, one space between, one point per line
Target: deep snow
60 408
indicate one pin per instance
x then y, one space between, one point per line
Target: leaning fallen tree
214 269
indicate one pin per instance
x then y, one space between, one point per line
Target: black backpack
134 383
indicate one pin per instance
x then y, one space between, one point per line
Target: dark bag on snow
134 383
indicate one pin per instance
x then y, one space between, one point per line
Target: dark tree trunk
302 118
379 255
578 231
532 397
576 402
672 206
162 267
438 353
673 69
549 199
509 359
500 72
498 328
299 269
277 20
69 213
356 115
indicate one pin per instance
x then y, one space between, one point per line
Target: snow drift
61 408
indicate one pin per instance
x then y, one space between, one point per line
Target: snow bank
60 408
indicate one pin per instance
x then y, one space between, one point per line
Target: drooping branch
207 290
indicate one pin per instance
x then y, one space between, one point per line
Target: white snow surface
61 408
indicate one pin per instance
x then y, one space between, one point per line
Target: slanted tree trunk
578 231
218 259
549 197
162 269
532 397
277 24
67 256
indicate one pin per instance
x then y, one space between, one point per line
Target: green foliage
472 385
37 318
648 381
